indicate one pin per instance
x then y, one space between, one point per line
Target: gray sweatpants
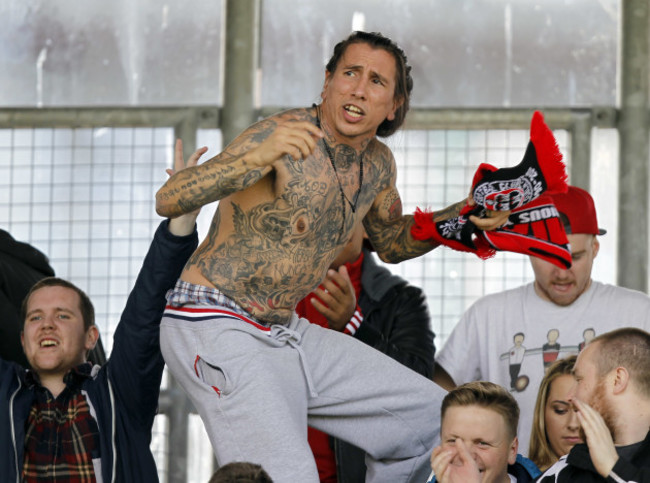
257 388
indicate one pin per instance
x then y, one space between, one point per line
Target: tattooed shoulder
392 204
259 131
383 164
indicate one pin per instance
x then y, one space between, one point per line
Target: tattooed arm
242 164
390 230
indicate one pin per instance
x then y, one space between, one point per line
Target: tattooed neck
344 154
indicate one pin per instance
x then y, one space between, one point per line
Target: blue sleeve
135 366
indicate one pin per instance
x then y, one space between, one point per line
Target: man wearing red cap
563 302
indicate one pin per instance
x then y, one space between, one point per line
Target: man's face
54 338
590 386
563 287
360 94
486 437
586 377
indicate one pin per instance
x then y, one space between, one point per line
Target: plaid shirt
186 293
61 436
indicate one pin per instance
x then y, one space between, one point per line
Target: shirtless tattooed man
292 188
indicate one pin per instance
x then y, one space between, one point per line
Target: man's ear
326 83
596 246
512 451
397 103
92 335
621 380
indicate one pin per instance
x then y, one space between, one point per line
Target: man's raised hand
184 224
179 163
454 464
599 438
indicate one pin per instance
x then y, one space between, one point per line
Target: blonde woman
555 424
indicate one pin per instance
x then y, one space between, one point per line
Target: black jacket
21 266
396 318
124 392
577 467
396 322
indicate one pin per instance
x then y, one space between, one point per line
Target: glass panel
463 52
71 53
199 451
604 190
160 444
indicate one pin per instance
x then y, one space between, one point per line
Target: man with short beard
611 396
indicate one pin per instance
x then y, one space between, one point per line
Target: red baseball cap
578 210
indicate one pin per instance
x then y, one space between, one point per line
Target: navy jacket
124 392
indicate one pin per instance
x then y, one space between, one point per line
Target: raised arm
185 224
390 230
136 362
244 162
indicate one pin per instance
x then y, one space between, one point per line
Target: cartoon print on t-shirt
516 357
551 349
587 335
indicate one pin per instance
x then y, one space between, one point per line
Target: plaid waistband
186 293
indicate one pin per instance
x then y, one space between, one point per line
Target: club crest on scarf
505 198
505 195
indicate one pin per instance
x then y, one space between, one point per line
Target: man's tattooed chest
271 251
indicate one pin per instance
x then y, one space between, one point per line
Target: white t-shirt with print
508 338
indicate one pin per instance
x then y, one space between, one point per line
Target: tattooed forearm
450 212
403 246
175 199
390 230
395 244
226 173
